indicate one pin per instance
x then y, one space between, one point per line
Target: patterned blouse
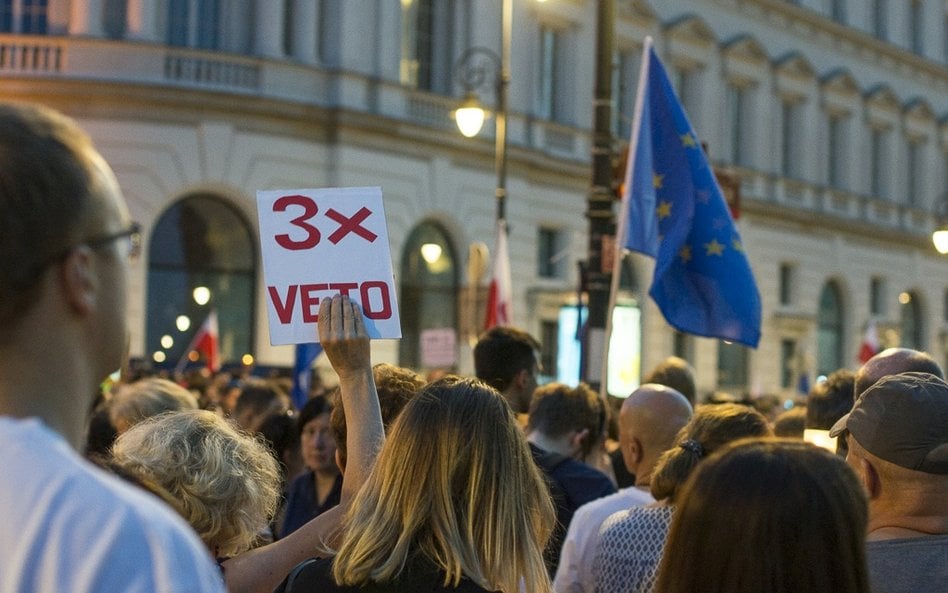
630 549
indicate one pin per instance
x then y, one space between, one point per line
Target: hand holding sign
320 242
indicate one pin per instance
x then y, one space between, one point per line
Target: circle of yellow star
714 248
688 141
663 210
657 180
685 253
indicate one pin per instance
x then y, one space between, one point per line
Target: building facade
829 114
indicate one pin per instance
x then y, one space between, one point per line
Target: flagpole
624 208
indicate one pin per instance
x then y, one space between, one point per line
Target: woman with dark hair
455 503
631 542
780 516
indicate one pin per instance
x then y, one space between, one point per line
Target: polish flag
870 343
206 342
499 298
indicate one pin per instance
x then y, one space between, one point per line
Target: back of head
501 352
257 400
222 481
655 413
48 193
893 361
395 387
558 409
791 423
146 398
780 516
711 427
830 400
676 373
470 502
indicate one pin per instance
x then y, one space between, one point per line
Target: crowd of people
391 482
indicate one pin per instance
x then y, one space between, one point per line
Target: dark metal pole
599 200
500 122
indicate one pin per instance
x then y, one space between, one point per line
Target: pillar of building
141 20
85 18
305 15
268 30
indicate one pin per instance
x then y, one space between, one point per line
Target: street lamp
473 70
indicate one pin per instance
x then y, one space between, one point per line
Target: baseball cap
902 419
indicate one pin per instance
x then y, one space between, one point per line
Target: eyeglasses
133 234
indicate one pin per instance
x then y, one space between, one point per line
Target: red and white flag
870 343
500 297
206 342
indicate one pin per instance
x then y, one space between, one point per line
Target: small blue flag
302 376
675 212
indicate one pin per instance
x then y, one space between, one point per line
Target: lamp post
474 70
599 202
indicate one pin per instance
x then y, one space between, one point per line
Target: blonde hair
224 482
711 427
456 485
146 398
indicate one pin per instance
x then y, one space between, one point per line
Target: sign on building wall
319 242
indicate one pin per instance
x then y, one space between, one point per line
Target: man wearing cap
897 433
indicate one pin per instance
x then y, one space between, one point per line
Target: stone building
829 114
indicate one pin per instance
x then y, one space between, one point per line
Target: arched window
910 321
201 258
829 331
428 296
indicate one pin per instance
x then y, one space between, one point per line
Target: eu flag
675 212
302 376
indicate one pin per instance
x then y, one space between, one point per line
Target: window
788 362
428 44
829 332
550 252
877 297
193 23
114 18
835 151
910 321
879 16
684 346
737 104
838 11
23 16
200 242
790 141
787 273
732 367
549 98
877 162
549 350
428 291
916 26
915 172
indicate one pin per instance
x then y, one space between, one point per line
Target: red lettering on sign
310 303
343 287
284 309
351 225
367 306
309 211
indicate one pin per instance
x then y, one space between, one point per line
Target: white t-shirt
574 574
70 527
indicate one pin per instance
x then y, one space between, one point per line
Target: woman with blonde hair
455 503
224 482
777 515
632 542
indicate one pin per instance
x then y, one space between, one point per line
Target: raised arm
346 344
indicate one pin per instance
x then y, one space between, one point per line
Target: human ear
78 284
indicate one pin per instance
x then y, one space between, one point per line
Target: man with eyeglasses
65 241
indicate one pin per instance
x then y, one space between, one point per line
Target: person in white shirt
65 245
648 422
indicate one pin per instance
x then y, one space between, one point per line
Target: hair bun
692 446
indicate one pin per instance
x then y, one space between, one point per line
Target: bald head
893 361
648 422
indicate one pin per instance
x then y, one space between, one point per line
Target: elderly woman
224 482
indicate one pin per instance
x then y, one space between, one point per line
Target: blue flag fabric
703 283
302 377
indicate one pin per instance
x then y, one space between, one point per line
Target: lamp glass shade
470 119
940 239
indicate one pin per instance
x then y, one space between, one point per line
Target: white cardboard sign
319 242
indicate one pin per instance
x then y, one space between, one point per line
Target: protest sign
319 242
